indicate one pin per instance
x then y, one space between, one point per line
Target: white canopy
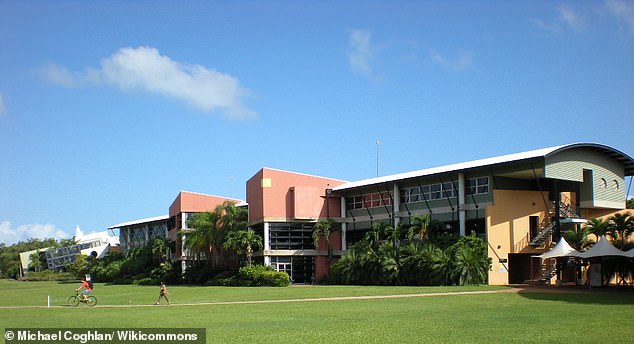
562 249
603 248
630 253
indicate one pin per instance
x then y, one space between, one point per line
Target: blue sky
109 108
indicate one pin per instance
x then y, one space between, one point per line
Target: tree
205 237
596 226
209 230
420 224
471 261
243 242
630 203
620 227
578 239
35 261
158 247
324 229
234 217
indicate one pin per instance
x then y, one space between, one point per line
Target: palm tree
620 226
206 235
325 229
390 266
471 261
243 242
578 239
35 262
596 226
375 235
420 225
234 217
349 268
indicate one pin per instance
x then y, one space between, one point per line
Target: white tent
562 249
603 248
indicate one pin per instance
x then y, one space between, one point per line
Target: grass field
599 316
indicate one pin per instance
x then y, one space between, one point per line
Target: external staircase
566 211
548 271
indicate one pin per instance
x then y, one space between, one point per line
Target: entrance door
522 267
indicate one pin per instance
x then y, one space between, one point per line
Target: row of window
429 192
369 201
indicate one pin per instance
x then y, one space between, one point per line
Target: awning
603 248
562 249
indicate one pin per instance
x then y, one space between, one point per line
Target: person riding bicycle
86 284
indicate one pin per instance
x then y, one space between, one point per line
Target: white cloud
361 52
9 235
3 108
61 76
570 18
145 69
459 64
567 19
623 11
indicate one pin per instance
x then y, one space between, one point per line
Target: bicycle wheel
92 301
73 301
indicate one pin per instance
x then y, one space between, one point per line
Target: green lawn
596 317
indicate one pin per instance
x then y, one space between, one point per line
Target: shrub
259 276
198 274
146 281
48 275
275 279
225 279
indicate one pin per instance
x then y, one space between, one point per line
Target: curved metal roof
621 157
624 159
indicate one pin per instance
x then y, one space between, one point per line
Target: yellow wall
508 227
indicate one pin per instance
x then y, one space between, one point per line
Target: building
140 233
283 208
518 203
57 259
184 206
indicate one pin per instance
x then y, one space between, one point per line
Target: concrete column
344 226
462 215
267 243
396 207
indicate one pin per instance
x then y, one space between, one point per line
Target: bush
198 274
146 281
225 279
275 279
48 275
260 276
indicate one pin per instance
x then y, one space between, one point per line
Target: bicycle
74 300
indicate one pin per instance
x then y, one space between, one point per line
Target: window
430 192
373 200
615 185
425 192
448 190
436 192
603 184
414 194
355 202
477 186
